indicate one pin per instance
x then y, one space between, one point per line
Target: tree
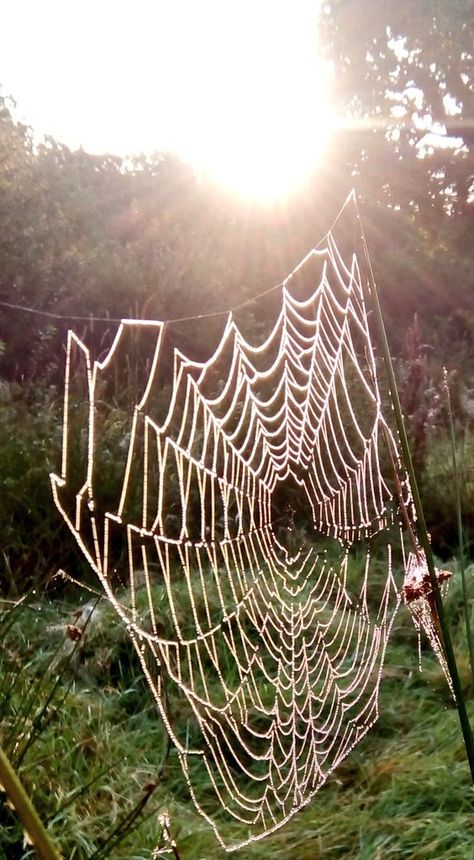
403 72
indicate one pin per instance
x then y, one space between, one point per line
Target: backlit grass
81 726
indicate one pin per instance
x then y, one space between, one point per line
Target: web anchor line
90 318
274 645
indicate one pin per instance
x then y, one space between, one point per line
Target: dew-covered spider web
253 486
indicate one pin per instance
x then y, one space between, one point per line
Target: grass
98 748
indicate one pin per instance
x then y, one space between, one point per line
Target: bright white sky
234 86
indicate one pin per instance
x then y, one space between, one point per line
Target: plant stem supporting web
422 529
457 491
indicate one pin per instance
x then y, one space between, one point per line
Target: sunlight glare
257 115
234 87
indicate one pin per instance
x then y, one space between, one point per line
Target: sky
233 86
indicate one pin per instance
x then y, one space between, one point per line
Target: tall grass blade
26 811
124 826
457 492
78 792
422 529
41 719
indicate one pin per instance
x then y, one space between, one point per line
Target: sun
254 112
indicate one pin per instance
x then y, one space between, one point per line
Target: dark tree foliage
402 71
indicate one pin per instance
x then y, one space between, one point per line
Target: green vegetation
80 725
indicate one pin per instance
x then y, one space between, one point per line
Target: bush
35 542
437 492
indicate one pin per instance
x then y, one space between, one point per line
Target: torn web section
104 410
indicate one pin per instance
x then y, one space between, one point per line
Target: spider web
254 618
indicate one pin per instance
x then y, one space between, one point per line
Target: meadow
81 728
